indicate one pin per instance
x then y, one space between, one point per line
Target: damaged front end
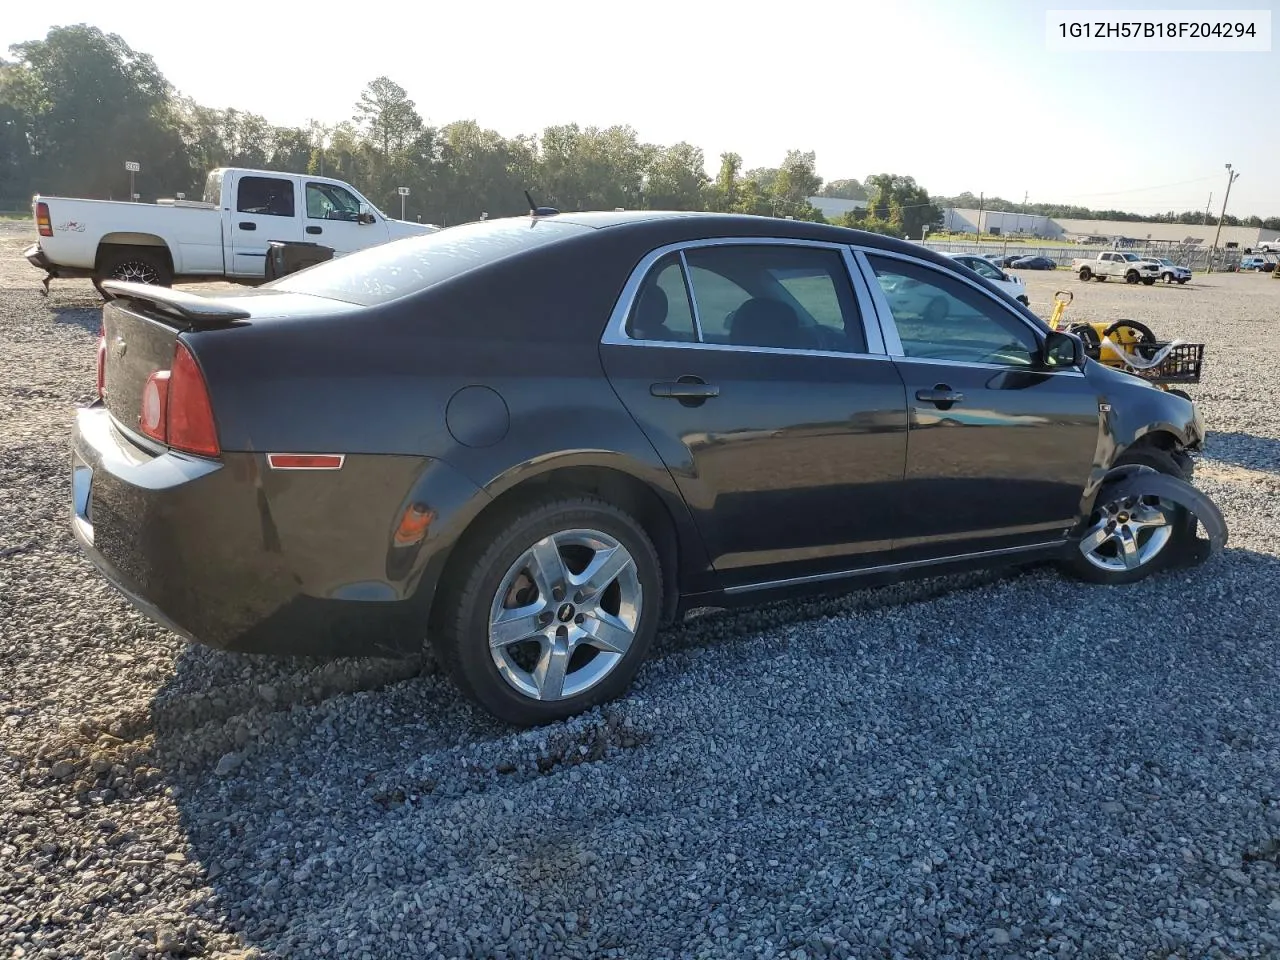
1143 519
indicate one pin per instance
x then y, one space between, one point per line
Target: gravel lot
966 766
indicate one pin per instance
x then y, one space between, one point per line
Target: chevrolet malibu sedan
533 441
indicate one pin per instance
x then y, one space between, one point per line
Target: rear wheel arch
115 246
611 485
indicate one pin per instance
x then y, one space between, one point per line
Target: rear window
393 270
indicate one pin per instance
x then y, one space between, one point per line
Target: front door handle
314 230
941 396
689 390
248 225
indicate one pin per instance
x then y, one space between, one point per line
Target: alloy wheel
136 271
1128 534
565 614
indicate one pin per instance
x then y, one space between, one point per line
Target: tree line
77 104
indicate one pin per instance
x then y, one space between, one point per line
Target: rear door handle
314 230
248 225
941 396
688 390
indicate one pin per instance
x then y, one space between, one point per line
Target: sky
960 94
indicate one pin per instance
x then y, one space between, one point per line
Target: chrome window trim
687 278
893 341
615 332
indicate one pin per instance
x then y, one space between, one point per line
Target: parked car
1004 260
1255 262
1114 263
534 440
1034 263
1171 272
1008 282
1269 246
227 234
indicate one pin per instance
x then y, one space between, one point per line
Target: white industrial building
994 222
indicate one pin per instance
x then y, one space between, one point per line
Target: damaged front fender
1141 481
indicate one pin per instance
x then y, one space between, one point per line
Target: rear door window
775 295
265 196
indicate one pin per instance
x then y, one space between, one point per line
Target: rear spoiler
196 309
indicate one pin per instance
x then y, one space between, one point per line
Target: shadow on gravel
1244 450
341 806
87 317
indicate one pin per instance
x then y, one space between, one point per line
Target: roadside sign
132 166
403 191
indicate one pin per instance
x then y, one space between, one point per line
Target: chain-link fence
1193 258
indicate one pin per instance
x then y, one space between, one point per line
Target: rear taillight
191 426
102 362
43 223
175 407
153 419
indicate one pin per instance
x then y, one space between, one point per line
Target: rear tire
149 265
1085 274
554 668
1156 546
1131 277
1148 281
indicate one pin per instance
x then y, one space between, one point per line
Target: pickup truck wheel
134 265
1148 281
1131 277
1085 274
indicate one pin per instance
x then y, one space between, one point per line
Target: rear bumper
36 257
40 260
230 556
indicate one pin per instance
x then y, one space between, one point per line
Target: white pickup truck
224 235
1114 263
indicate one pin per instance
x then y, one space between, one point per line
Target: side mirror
364 216
1062 351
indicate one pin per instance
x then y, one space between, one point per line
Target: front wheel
1183 279
1085 273
1128 539
1148 281
551 609
1131 277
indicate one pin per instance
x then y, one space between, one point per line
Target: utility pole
1231 178
1206 209
982 200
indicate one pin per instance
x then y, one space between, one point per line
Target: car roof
686 224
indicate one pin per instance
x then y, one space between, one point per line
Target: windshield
1131 257
394 270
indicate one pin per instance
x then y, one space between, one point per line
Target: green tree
388 117
87 102
844 190
676 178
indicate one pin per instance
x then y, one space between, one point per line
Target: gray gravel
967 766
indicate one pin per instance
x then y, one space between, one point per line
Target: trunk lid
136 346
141 325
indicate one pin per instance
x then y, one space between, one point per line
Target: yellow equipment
1132 346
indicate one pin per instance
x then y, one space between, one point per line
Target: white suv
983 267
1170 271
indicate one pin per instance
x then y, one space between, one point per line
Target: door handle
689 390
941 396
314 230
247 225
